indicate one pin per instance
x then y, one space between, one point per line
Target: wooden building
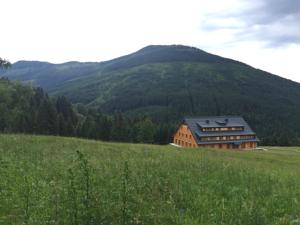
227 132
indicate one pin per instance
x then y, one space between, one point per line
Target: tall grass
49 180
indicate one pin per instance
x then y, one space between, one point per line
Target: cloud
274 22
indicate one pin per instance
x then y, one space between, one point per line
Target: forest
142 97
24 109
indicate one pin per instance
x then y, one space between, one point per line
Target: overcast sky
262 33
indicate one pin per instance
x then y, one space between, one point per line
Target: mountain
48 75
169 82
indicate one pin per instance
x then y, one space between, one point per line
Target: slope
56 180
48 75
168 82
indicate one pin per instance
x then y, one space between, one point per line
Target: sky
262 33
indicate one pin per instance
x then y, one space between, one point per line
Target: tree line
24 109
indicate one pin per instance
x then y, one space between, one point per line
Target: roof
196 123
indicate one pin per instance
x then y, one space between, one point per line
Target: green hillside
24 109
48 75
169 82
51 180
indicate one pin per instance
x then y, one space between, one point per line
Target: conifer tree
119 128
47 119
146 131
4 63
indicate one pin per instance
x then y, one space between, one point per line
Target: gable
185 136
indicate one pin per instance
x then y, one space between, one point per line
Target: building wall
184 137
246 145
227 137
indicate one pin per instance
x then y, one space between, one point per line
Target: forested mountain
24 109
169 82
47 75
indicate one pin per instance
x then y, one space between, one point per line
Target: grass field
52 180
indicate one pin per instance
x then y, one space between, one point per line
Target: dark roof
196 123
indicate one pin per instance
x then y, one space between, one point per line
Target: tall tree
4 63
146 131
119 130
47 118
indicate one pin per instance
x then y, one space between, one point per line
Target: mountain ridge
169 82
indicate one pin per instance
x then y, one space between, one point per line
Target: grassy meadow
54 180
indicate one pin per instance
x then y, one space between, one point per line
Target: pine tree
4 63
119 128
87 129
47 118
146 131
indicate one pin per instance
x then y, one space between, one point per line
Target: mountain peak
166 47
165 54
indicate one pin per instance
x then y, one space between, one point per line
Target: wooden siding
184 137
228 137
245 145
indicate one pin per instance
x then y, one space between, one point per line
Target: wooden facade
226 137
184 137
